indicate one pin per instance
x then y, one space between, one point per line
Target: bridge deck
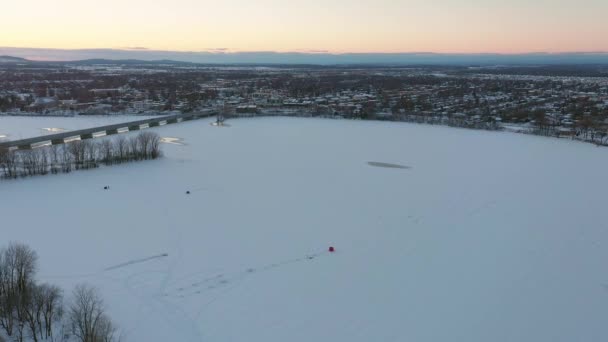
113 129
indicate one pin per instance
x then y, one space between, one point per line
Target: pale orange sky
333 25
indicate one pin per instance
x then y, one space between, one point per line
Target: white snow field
471 236
19 127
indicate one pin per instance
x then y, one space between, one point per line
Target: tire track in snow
136 261
111 268
166 312
208 283
197 284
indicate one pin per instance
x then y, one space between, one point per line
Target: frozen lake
485 236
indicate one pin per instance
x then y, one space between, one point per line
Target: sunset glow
466 26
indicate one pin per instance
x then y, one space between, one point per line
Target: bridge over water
90 133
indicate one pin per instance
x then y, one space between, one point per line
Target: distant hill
124 61
152 57
10 59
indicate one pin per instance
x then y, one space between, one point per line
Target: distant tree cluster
452 121
79 155
32 311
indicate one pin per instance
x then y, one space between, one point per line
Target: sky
333 26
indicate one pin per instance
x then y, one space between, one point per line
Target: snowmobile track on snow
136 261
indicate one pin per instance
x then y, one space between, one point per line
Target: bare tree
87 317
149 145
17 269
43 311
41 156
80 154
35 312
21 262
91 154
134 148
54 156
66 159
3 157
28 161
32 313
143 139
121 148
52 311
156 150
4 162
7 299
154 146
77 151
106 149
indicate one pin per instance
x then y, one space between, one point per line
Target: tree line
79 155
32 311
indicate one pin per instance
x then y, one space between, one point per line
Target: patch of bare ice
388 165
53 129
172 141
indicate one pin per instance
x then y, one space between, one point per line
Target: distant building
247 109
107 92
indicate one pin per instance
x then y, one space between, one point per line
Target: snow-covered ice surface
486 237
19 127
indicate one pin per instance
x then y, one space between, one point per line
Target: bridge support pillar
154 124
111 132
134 128
86 136
57 141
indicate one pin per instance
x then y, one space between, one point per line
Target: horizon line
227 51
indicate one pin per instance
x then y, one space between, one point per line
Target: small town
561 103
